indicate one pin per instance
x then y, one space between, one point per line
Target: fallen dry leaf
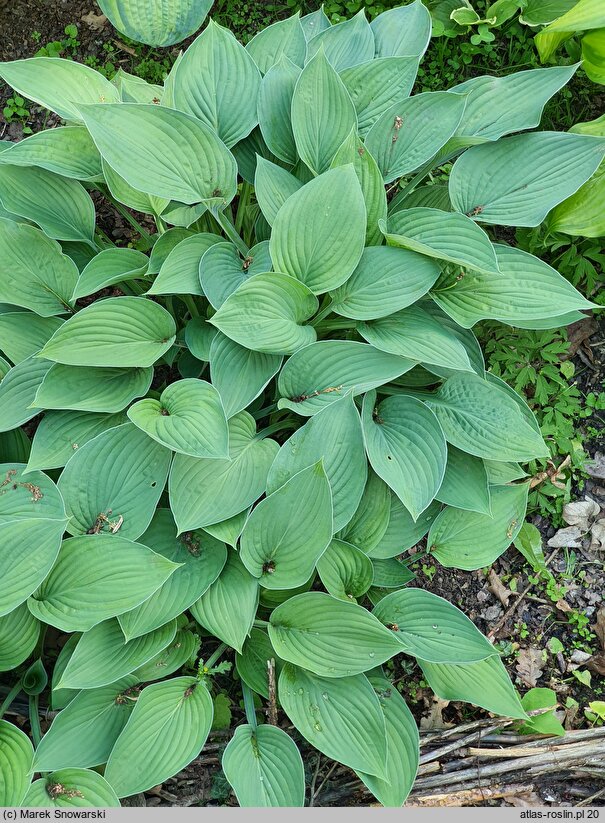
596 664
525 800
97 22
563 606
599 627
498 588
434 719
597 535
581 513
530 666
568 538
596 466
579 332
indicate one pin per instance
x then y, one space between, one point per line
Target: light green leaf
171 722
134 89
582 213
23 498
183 649
272 187
93 390
23 333
131 197
96 577
84 733
499 474
284 39
431 196
140 141
484 684
159 23
386 280
264 767
406 447
239 374
465 483
341 717
409 133
289 530
390 573
113 482
468 540
402 30
329 637
321 373
124 331
164 244
60 434
518 180
19 631
444 235
402 532
345 571
371 519
188 418
102 655
60 85
16 758
218 82
201 560
28 549
323 113
252 662
347 44
541 12
480 419
68 151
71 788
35 274
109 267
274 107
334 437
314 23
266 313
179 273
199 335
17 392
204 491
227 609
222 269
377 85
246 153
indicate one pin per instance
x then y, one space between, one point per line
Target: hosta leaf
480 419
582 213
84 733
19 631
71 788
484 684
444 235
60 85
15 445
518 180
329 637
35 273
334 437
164 244
353 151
402 746
92 390
16 758
228 607
124 331
134 89
377 85
406 447
205 491
465 336
28 549
403 30
199 335
159 23
252 662
289 530
465 483
323 113
413 333
222 269
246 153
68 151
61 207
238 373
386 280
228 531
264 767
432 196
369 523
171 722
202 559
113 482
314 22
345 571
282 39
217 81
274 107
468 540
23 333
430 627
23 498
318 233
96 577
140 141
123 192
60 434
188 418
390 573
182 649
499 474
321 373
109 267
179 273
272 187
18 390
341 717
409 133
346 44
103 656
402 532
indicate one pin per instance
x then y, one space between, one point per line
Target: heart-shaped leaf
402 30
345 571
377 85
465 483
252 663
109 267
222 269
275 106
179 272
159 23
71 788
282 39
238 373
19 631
370 521
91 390
16 759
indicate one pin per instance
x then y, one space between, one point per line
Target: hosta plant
219 443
